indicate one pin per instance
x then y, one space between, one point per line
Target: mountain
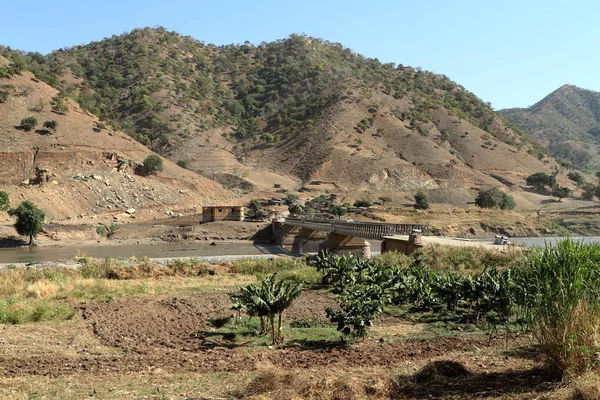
298 112
83 168
567 121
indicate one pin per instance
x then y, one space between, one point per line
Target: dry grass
42 289
272 384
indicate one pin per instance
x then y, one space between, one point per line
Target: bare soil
171 334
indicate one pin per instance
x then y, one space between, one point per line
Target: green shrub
421 202
494 198
152 165
3 96
183 164
362 203
51 125
28 123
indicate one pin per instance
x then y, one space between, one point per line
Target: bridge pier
284 234
304 236
338 243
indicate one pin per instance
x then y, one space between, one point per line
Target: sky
510 53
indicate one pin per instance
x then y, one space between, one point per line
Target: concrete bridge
336 235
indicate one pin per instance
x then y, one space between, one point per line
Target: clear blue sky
510 53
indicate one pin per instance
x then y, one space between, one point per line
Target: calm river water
170 250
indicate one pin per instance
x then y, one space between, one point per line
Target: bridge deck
365 230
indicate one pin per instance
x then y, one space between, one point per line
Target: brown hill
299 112
82 169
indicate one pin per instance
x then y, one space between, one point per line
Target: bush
183 164
362 203
152 165
3 96
28 123
561 192
494 198
576 177
51 125
421 202
4 201
59 105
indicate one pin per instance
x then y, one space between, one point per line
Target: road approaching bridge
336 235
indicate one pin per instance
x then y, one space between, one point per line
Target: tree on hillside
540 180
421 202
494 198
339 211
50 125
561 192
28 123
29 219
588 191
362 203
295 209
576 177
254 210
152 165
4 201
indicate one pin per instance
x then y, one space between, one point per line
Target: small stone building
222 213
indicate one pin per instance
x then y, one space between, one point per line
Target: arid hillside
294 113
83 168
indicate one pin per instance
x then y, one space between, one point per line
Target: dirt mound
441 371
276 385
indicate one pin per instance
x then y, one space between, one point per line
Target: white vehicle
499 239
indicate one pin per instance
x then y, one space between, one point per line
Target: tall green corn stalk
558 292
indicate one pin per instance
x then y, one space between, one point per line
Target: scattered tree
50 125
576 177
540 180
588 191
421 202
183 164
290 198
105 231
561 192
295 209
494 198
29 219
362 203
28 123
152 165
4 201
339 211
58 105
254 210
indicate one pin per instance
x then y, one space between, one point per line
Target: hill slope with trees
291 112
567 121
58 155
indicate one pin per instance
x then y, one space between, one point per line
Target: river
161 250
172 250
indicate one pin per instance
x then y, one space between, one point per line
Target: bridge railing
366 230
